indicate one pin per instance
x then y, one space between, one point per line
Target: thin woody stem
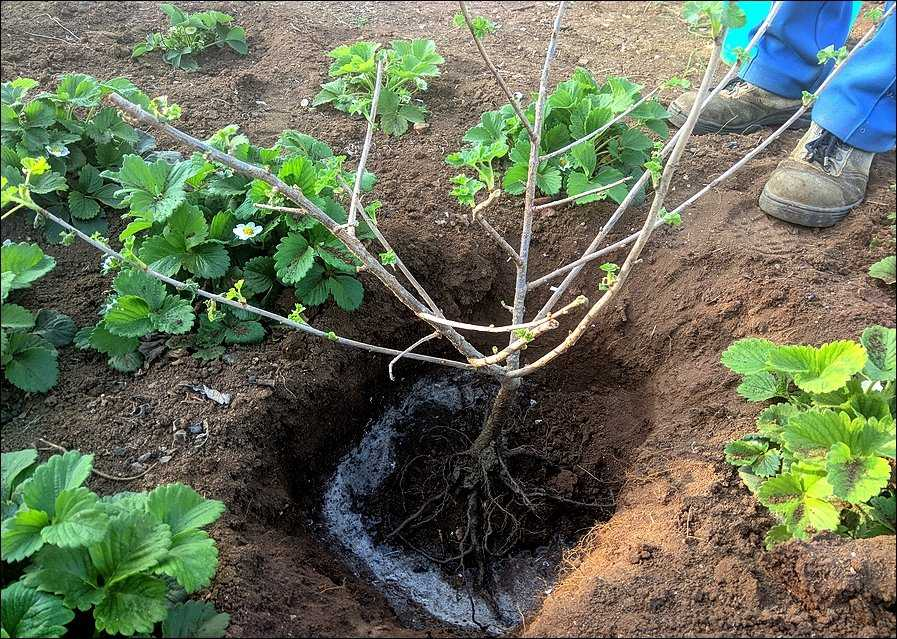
495 72
636 188
348 239
407 351
368 137
477 214
305 328
597 189
530 194
648 227
579 301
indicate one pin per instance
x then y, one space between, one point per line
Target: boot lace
827 151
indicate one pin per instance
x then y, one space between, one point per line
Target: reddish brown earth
641 406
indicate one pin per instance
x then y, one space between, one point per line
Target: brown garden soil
639 411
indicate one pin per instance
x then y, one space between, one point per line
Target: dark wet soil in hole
411 453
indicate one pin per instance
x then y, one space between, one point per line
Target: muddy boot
741 107
819 183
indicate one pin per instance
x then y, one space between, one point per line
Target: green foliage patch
497 149
823 454
28 340
190 34
128 560
407 64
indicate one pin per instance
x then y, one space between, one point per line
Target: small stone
165 459
303 102
119 451
195 429
145 457
137 467
421 126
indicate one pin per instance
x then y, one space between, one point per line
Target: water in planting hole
411 576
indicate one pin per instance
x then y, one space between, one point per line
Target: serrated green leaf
247 332
759 387
748 356
819 370
777 535
259 274
744 452
129 316
182 508
856 479
110 344
32 364
192 560
14 469
21 536
136 282
293 259
135 542
67 572
29 613
347 291
175 316
801 502
77 521
194 619
82 206
27 262
767 464
59 473
812 433
881 348
134 604
207 260
56 328
885 270
15 317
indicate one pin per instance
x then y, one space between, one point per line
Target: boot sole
803 215
677 118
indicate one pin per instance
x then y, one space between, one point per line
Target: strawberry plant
79 138
29 340
406 65
190 34
822 455
124 562
885 269
577 107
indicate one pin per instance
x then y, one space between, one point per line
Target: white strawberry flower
247 231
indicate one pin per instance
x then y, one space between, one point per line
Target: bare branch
530 194
579 301
368 137
490 230
405 353
349 240
305 328
496 73
517 344
599 130
648 227
598 189
625 204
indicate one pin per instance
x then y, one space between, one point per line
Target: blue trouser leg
785 62
858 106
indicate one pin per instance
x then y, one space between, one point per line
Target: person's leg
858 106
827 173
783 65
785 61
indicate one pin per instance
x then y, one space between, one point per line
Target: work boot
741 107
819 183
